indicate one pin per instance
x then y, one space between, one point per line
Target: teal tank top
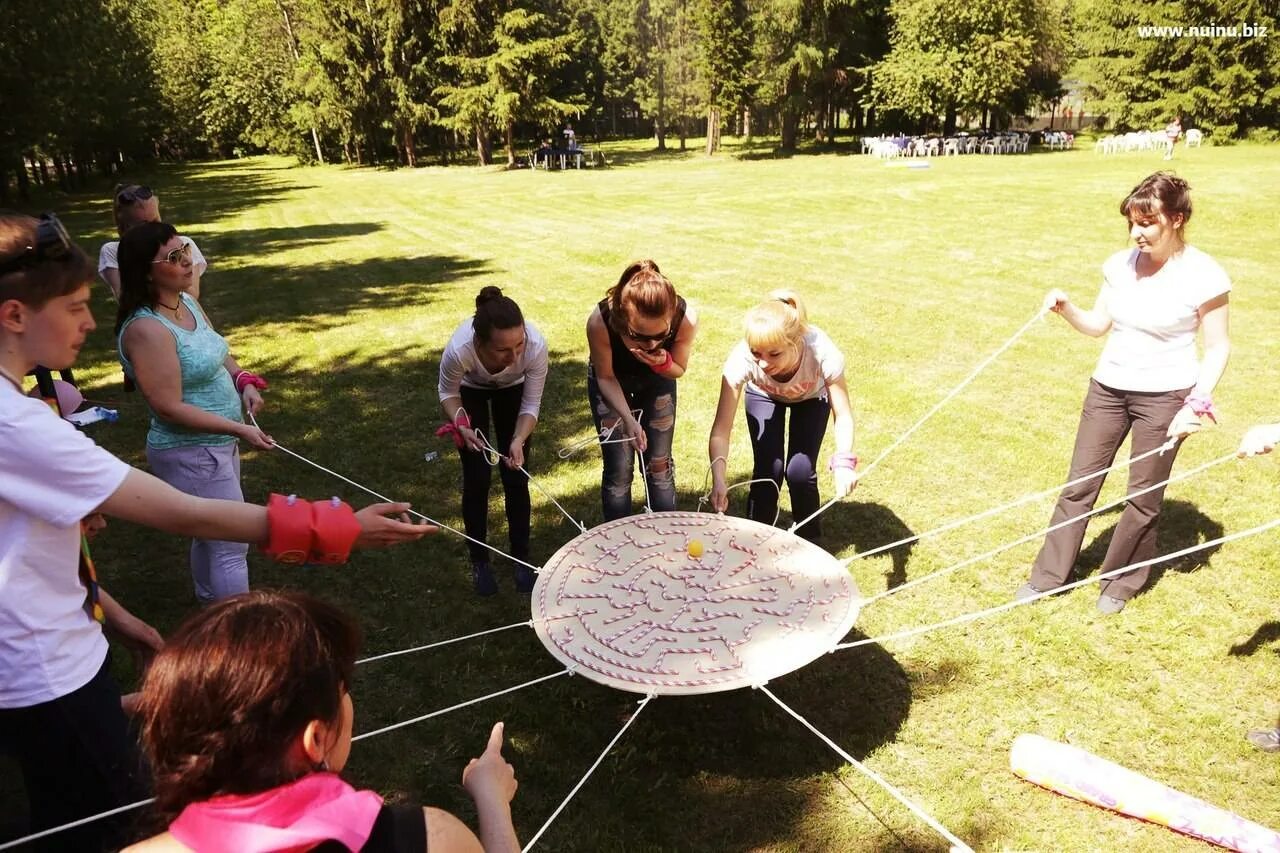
205 381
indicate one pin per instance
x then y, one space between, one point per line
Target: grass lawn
343 285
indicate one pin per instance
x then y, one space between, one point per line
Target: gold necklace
176 309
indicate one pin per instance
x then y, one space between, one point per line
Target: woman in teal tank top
185 371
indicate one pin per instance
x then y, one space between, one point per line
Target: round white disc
683 603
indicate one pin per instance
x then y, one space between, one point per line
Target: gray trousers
218 569
1108 416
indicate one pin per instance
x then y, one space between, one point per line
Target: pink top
293 817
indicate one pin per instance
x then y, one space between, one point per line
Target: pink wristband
1202 406
244 379
665 366
454 428
843 460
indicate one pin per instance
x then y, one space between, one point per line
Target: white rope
948 398
493 457
705 497
956 843
525 624
952 525
590 770
81 822
278 446
1000 549
970 617
469 702
605 436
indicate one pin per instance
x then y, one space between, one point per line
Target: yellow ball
695 548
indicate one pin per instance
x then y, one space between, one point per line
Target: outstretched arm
1094 323
718 444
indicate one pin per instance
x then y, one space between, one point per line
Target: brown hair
494 311
137 249
235 687
1162 192
641 289
44 278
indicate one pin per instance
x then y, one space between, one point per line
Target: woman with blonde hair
134 204
786 365
641 336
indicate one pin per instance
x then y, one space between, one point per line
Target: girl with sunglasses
247 717
194 388
495 364
133 204
640 337
786 366
61 712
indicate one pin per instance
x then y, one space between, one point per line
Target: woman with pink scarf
247 723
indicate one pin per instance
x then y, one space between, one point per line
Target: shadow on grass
865 526
1182 525
1267 634
226 245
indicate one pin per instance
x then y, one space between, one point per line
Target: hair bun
488 293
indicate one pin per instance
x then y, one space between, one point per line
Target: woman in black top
640 335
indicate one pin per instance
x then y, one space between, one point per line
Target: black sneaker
482 576
525 578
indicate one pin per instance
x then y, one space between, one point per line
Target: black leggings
477 474
798 462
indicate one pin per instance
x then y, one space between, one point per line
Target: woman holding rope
495 365
786 365
60 710
246 720
194 388
1148 381
640 337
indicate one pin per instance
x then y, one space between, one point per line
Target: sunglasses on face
52 244
133 195
176 256
647 339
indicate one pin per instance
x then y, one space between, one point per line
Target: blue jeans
798 461
655 397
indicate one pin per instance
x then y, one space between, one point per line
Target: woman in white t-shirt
495 366
785 365
134 204
1149 381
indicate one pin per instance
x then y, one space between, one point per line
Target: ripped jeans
655 396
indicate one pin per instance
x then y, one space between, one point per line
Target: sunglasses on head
176 256
134 194
52 244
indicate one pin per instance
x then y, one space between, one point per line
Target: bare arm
1094 323
842 412
491 782
447 834
1217 344
144 499
680 350
111 276
154 357
602 366
718 443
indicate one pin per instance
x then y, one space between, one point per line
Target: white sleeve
535 378
107 256
451 372
830 357
196 256
49 469
1211 280
737 367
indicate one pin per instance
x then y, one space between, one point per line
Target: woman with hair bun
247 718
1148 382
493 371
785 365
640 336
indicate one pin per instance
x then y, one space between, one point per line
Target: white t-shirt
107 254
820 365
1154 320
459 365
51 476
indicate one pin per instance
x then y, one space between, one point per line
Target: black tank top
398 829
625 364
